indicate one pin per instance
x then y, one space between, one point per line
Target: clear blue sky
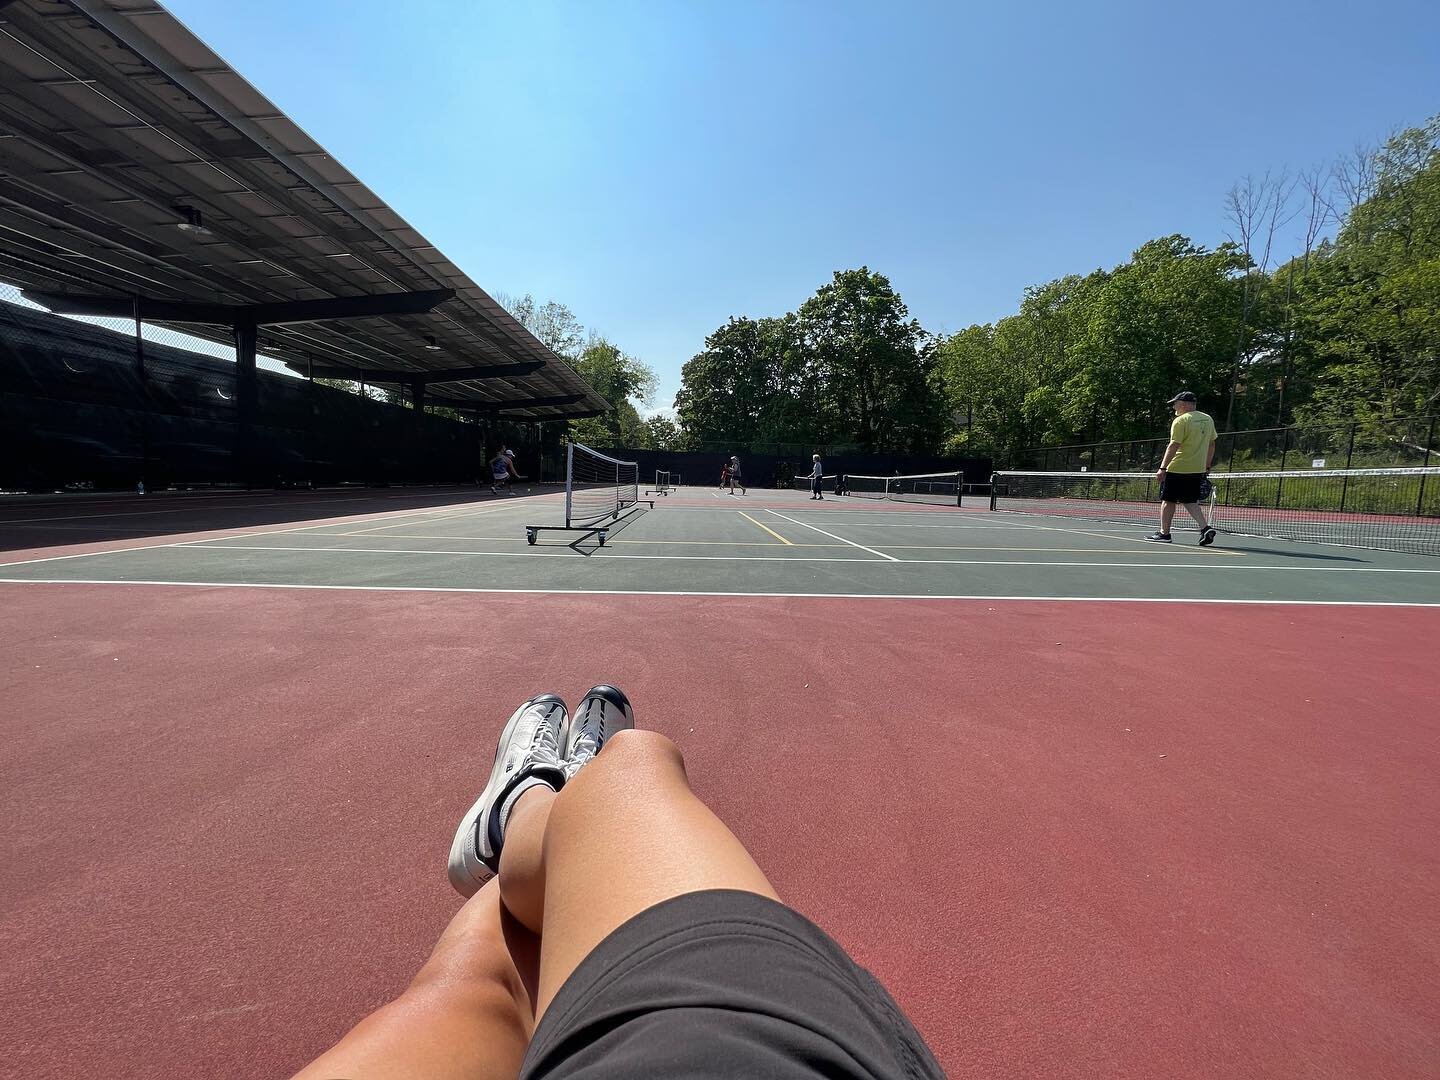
659 166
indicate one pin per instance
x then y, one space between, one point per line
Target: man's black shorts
1181 487
723 984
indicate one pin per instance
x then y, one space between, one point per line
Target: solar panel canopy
135 162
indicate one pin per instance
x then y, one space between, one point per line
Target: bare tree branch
1353 178
1257 210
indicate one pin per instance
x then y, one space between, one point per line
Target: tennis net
597 486
1385 509
940 488
827 482
662 483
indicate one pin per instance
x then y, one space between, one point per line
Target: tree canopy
1346 330
850 366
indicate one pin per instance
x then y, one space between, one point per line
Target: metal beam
484 371
430 378
124 307
536 403
348 307
277 314
565 416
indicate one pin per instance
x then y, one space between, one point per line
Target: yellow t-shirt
1194 431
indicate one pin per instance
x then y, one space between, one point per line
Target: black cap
1183 395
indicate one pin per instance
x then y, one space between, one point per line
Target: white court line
234 534
747 595
218 502
1158 549
831 535
564 553
456 511
92 554
556 552
248 534
402 524
1084 532
920 525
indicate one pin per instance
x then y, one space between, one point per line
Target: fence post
1345 480
312 412
1429 442
1284 452
147 480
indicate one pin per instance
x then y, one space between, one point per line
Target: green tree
722 388
661 433
870 365
1368 316
621 380
552 322
1090 358
753 382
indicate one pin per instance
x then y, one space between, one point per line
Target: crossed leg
469 1013
624 835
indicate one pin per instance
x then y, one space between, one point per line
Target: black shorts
1181 487
723 983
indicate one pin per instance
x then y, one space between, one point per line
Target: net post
146 480
1345 480
247 336
1429 442
1284 453
569 481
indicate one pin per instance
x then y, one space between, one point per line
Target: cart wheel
602 539
530 537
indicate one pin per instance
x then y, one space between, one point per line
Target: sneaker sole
467 869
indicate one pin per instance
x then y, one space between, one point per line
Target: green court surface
698 541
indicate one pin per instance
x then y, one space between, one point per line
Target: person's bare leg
1193 509
1167 516
625 834
469 1013
522 865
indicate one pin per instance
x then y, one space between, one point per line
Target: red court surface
1066 851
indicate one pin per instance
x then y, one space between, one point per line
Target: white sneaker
528 753
603 711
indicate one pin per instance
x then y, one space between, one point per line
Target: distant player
1182 471
735 478
817 474
724 476
502 471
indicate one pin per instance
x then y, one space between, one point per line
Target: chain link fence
1404 443
91 403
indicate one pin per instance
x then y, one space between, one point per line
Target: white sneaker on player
603 711
528 754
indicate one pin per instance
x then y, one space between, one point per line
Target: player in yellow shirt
1182 470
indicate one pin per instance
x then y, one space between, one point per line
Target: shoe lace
592 733
544 746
